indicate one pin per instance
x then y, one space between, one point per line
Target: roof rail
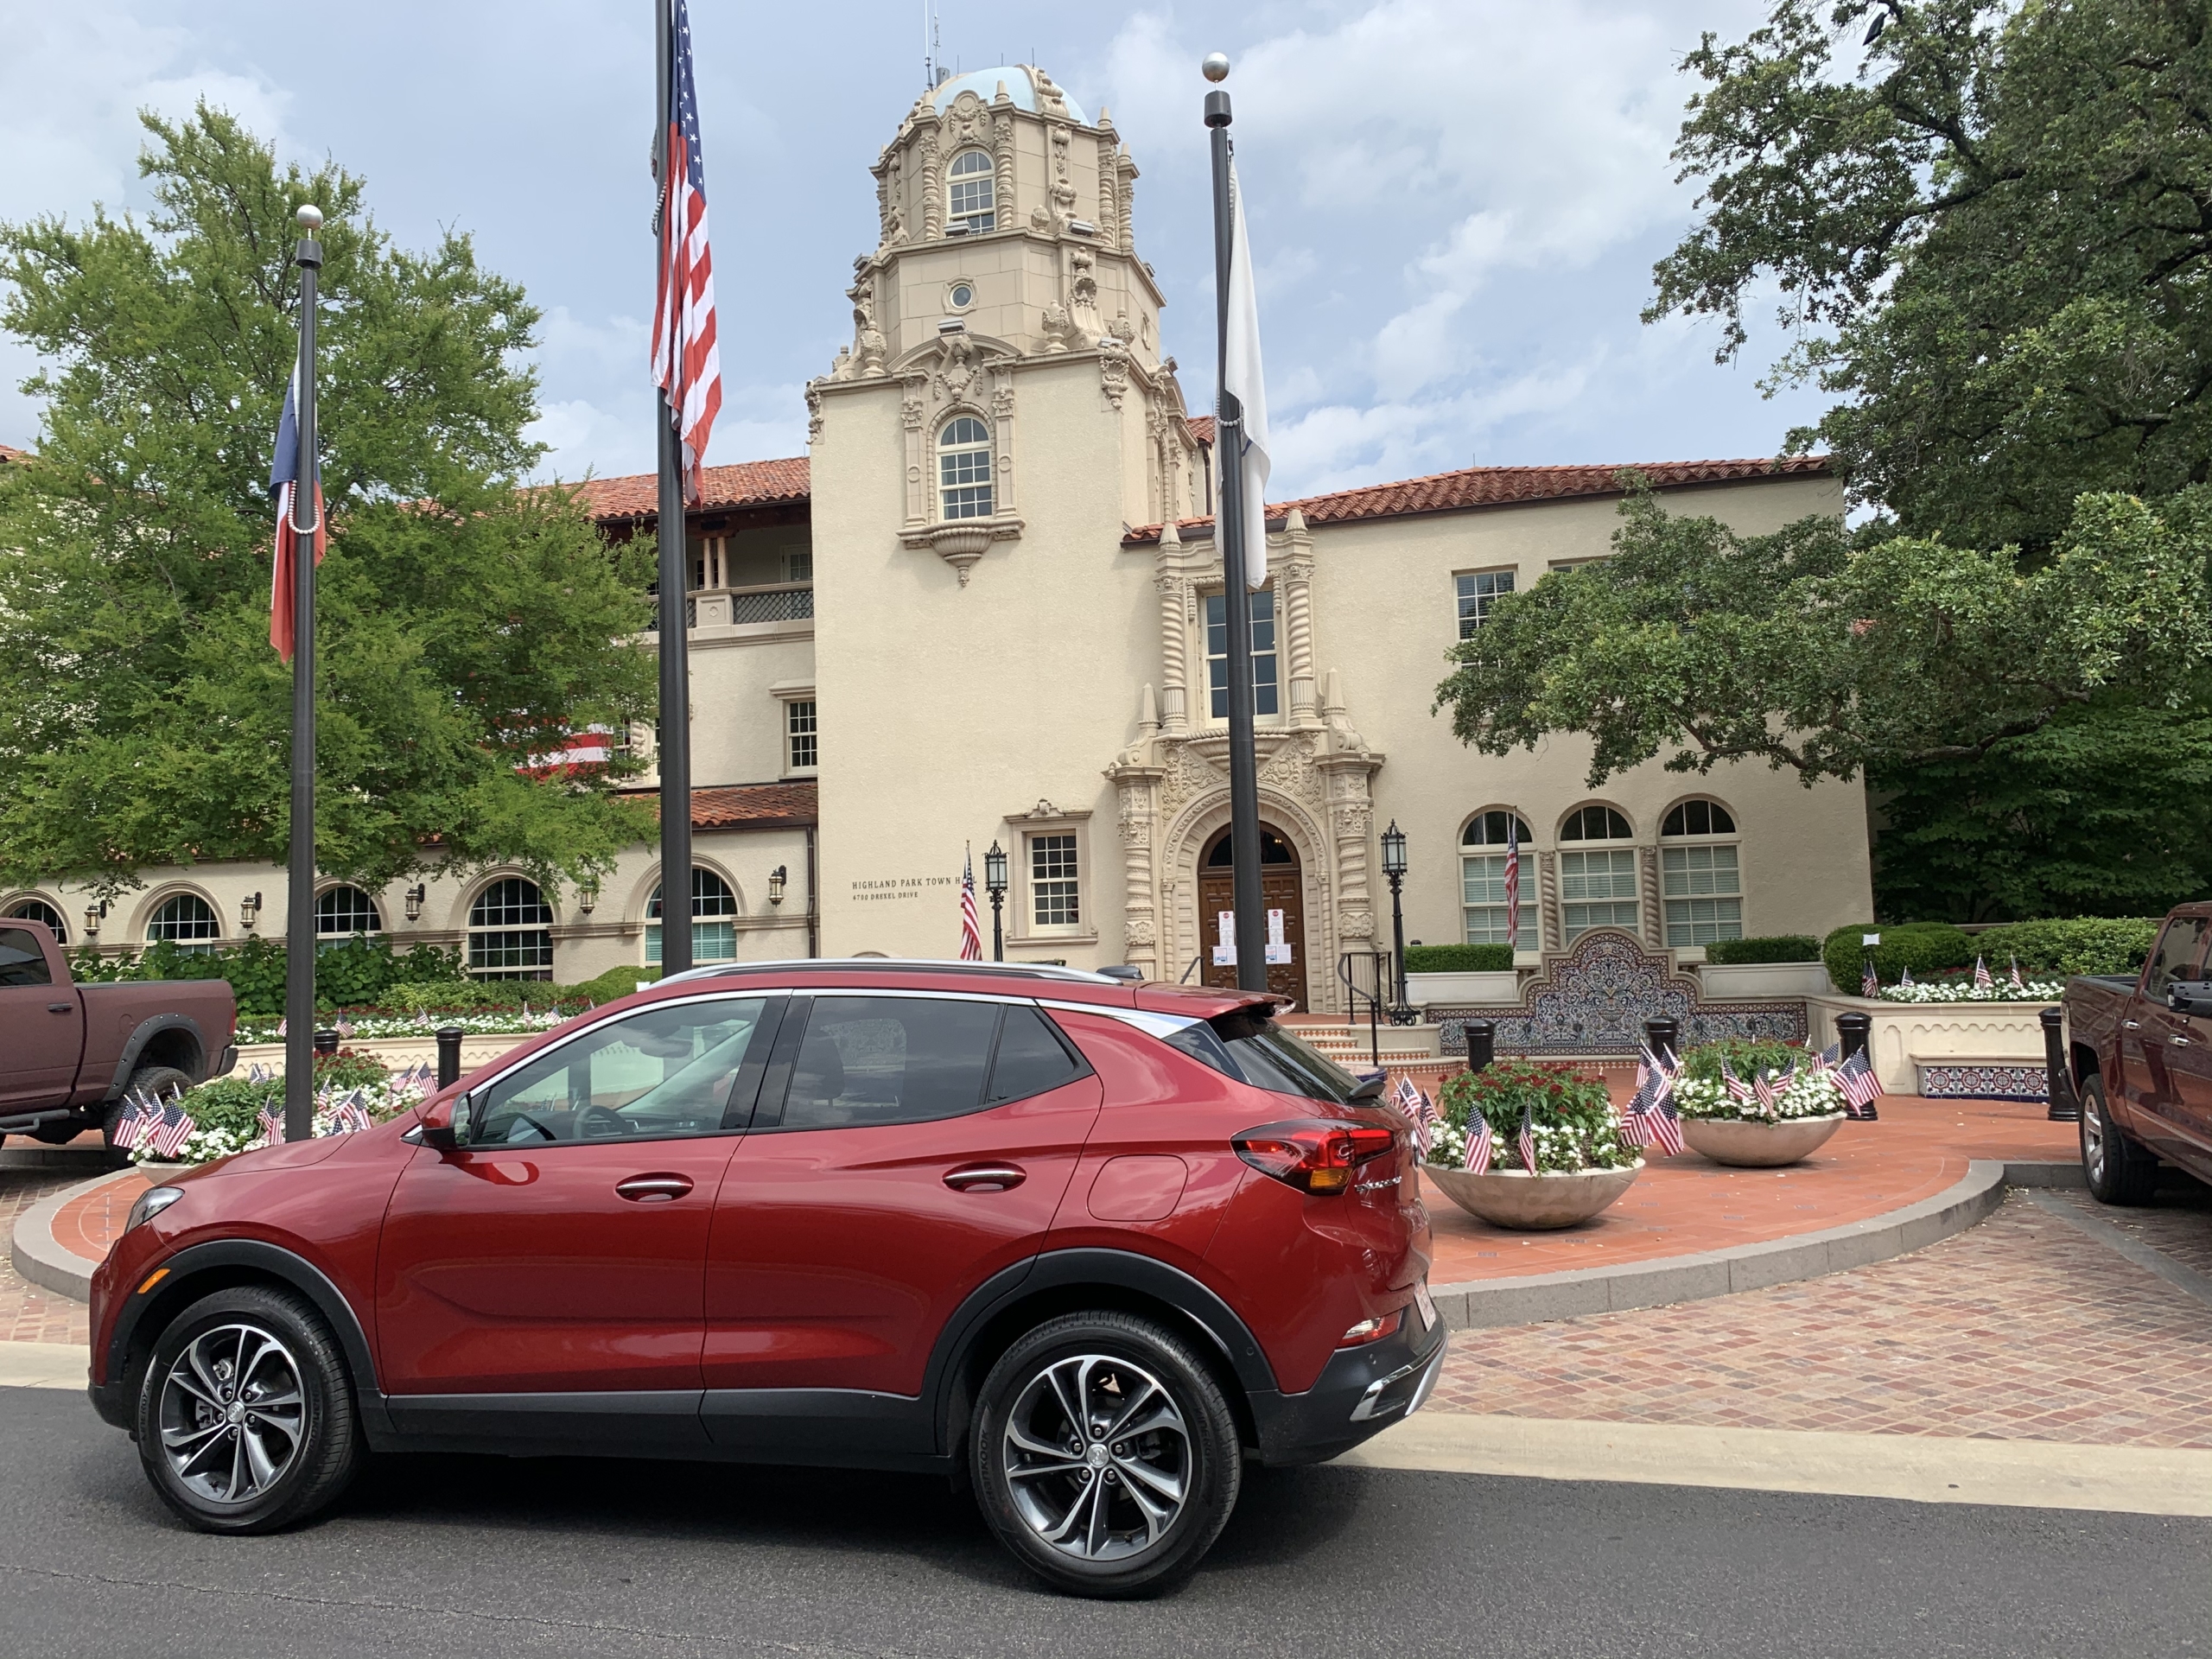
905 964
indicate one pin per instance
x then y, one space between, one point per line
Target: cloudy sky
1456 203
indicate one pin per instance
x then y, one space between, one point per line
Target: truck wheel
151 1081
2118 1169
245 1418
1104 1456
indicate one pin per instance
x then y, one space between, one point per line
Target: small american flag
167 1135
1635 1120
131 1128
1479 1143
1982 981
1418 1112
687 366
1764 1092
1667 1125
1904 975
1525 1142
1513 880
2017 983
971 930
1859 1084
1739 1091
1869 983
272 1126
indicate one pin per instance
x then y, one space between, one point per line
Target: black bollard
1852 1030
448 1055
1662 1035
1482 1044
2065 1104
326 1043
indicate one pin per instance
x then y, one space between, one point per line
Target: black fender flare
275 1261
145 1034
1067 1269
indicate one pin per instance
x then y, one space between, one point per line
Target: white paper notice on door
1277 950
1224 944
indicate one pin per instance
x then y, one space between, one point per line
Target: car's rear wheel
2119 1170
245 1418
1104 1455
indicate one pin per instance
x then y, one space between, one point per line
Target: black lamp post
1393 868
995 878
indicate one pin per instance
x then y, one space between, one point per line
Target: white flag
1242 379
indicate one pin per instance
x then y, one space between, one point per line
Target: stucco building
987 607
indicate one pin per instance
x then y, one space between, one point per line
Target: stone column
1547 899
1296 588
1651 909
1173 637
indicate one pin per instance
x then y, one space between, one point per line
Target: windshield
1248 1045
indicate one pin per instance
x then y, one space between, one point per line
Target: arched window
37 910
186 920
1491 842
1699 878
342 911
964 469
713 924
971 201
1597 886
510 931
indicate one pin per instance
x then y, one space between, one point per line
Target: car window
889 1059
1252 1048
2179 948
22 963
672 1069
1032 1058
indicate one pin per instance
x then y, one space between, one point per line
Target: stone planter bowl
1758 1146
1520 1202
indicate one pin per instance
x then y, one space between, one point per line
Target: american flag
130 1127
1636 1126
167 1134
272 1126
1982 981
1666 1122
1869 983
1765 1092
686 365
971 930
2017 984
1904 975
1739 1091
1512 881
283 487
1419 1111
1479 1143
1859 1084
1525 1143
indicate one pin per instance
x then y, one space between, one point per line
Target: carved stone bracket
961 543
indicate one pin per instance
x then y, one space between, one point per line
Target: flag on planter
1667 1125
1982 982
1860 1085
1419 1112
1479 1144
1764 1091
167 1133
1526 1143
130 1127
1869 983
2017 983
271 1123
1904 975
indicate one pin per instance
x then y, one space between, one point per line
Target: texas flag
283 487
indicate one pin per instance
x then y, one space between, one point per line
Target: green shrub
233 1103
1571 1116
1458 958
1924 947
1746 1056
354 974
2087 944
614 982
1777 947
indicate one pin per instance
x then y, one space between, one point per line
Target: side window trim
1082 1067
776 1080
737 1114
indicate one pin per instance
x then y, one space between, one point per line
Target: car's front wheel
1104 1455
2117 1169
246 1417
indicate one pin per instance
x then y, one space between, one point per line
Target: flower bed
1965 990
226 1112
1571 1120
1702 1091
371 1022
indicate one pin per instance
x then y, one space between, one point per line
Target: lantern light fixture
416 895
777 878
249 911
588 897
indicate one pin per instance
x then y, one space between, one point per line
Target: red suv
1085 1243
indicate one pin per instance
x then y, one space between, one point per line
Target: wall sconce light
414 897
93 914
588 897
776 880
249 911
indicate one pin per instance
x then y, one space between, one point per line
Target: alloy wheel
1097 1457
2092 1141
233 1413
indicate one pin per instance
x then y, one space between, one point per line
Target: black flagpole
1236 599
299 896
674 754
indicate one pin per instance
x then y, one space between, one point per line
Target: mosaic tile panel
1985 1083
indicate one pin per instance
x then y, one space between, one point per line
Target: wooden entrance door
1280 889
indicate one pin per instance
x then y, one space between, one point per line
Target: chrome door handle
2131 1025
653 1189
61 1007
986 1177
2178 1042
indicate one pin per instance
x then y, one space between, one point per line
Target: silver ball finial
1216 68
310 217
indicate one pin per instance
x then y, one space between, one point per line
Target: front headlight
151 1203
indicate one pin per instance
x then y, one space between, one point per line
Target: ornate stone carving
813 412
1058 329
956 369
1114 361
1110 205
1082 295
1002 160
912 403
1050 99
1063 188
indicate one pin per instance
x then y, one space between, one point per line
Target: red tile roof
1490 487
749 483
748 806
1202 428
6 453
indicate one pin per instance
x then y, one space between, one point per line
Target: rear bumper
1361 1392
226 1063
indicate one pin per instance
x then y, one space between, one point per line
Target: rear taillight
1314 1155
1372 1330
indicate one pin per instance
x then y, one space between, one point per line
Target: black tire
198 1442
2119 1169
1185 1455
151 1081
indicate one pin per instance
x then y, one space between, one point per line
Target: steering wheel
599 1123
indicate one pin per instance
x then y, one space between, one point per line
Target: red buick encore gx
1086 1244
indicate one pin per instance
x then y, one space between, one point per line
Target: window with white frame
801 739
1479 591
1597 885
964 469
798 564
1055 886
1266 693
972 196
342 911
714 920
37 910
1484 865
186 921
510 931
1700 880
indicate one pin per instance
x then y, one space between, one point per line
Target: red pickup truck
70 1052
2140 1050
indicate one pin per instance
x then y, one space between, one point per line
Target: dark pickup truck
69 1053
2140 1051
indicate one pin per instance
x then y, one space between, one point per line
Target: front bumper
1360 1392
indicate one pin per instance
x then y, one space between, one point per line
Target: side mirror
453 1134
1370 1088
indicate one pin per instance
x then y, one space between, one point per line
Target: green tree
461 620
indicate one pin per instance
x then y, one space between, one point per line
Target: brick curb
1536 1297
40 1257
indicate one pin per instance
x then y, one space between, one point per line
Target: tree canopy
462 621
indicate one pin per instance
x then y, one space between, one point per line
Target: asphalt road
484 1557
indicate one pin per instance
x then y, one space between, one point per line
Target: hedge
506 995
1775 947
2087 944
1458 958
1925 947
351 974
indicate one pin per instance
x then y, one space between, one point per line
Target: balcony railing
783 601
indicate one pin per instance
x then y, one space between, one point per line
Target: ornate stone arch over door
1183 846
1282 888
